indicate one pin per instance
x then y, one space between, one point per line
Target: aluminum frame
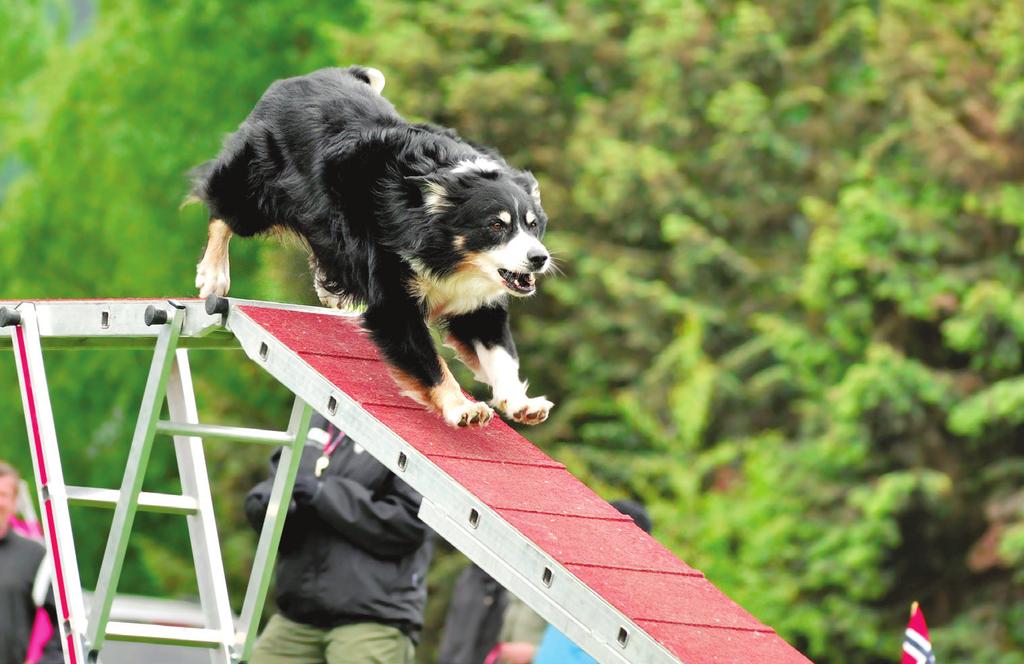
119 324
50 487
495 545
270 535
501 550
202 526
87 496
131 484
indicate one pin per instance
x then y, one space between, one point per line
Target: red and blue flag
917 647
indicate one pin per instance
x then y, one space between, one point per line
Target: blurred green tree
791 316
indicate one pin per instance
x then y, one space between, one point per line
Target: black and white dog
409 220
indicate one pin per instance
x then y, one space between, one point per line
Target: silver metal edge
163 634
220 432
270 535
53 490
131 485
80 323
211 580
163 503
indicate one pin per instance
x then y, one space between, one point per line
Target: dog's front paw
212 279
524 409
468 414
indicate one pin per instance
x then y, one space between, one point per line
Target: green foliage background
791 318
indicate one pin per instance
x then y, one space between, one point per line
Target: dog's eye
497 226
531 225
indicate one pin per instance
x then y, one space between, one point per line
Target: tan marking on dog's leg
213 274
445 398
467 355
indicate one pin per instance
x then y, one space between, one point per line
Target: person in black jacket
21 561
474 618
351 568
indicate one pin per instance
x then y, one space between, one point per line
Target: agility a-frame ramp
518 514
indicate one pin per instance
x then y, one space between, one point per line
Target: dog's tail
372 77
198 178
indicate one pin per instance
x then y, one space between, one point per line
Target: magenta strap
334 438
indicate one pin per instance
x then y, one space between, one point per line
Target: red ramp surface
671 601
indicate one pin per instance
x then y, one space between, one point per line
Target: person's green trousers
286 642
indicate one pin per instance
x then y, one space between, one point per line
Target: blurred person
22 566
486 624
27 525
474 618
24 521
351 568
520 636
556 647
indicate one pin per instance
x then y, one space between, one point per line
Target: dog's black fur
396 216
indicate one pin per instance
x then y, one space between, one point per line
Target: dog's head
485 217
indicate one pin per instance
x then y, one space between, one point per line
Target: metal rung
241 434
164 634
164 503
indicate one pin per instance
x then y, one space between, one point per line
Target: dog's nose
537 258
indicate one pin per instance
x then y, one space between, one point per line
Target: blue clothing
556 648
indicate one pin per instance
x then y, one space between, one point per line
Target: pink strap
333 439
492 657
42 630
29 529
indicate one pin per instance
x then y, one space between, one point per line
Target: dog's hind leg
213 275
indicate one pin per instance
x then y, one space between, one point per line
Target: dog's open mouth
520 283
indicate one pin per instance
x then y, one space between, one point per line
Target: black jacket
473 621
19 561
358 552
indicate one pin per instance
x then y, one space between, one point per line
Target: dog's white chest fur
459 293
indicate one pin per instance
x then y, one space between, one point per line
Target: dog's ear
433 190
526 180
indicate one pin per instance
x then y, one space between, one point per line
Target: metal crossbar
239 434
87 496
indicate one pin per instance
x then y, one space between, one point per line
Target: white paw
523 409
469 414
211 278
